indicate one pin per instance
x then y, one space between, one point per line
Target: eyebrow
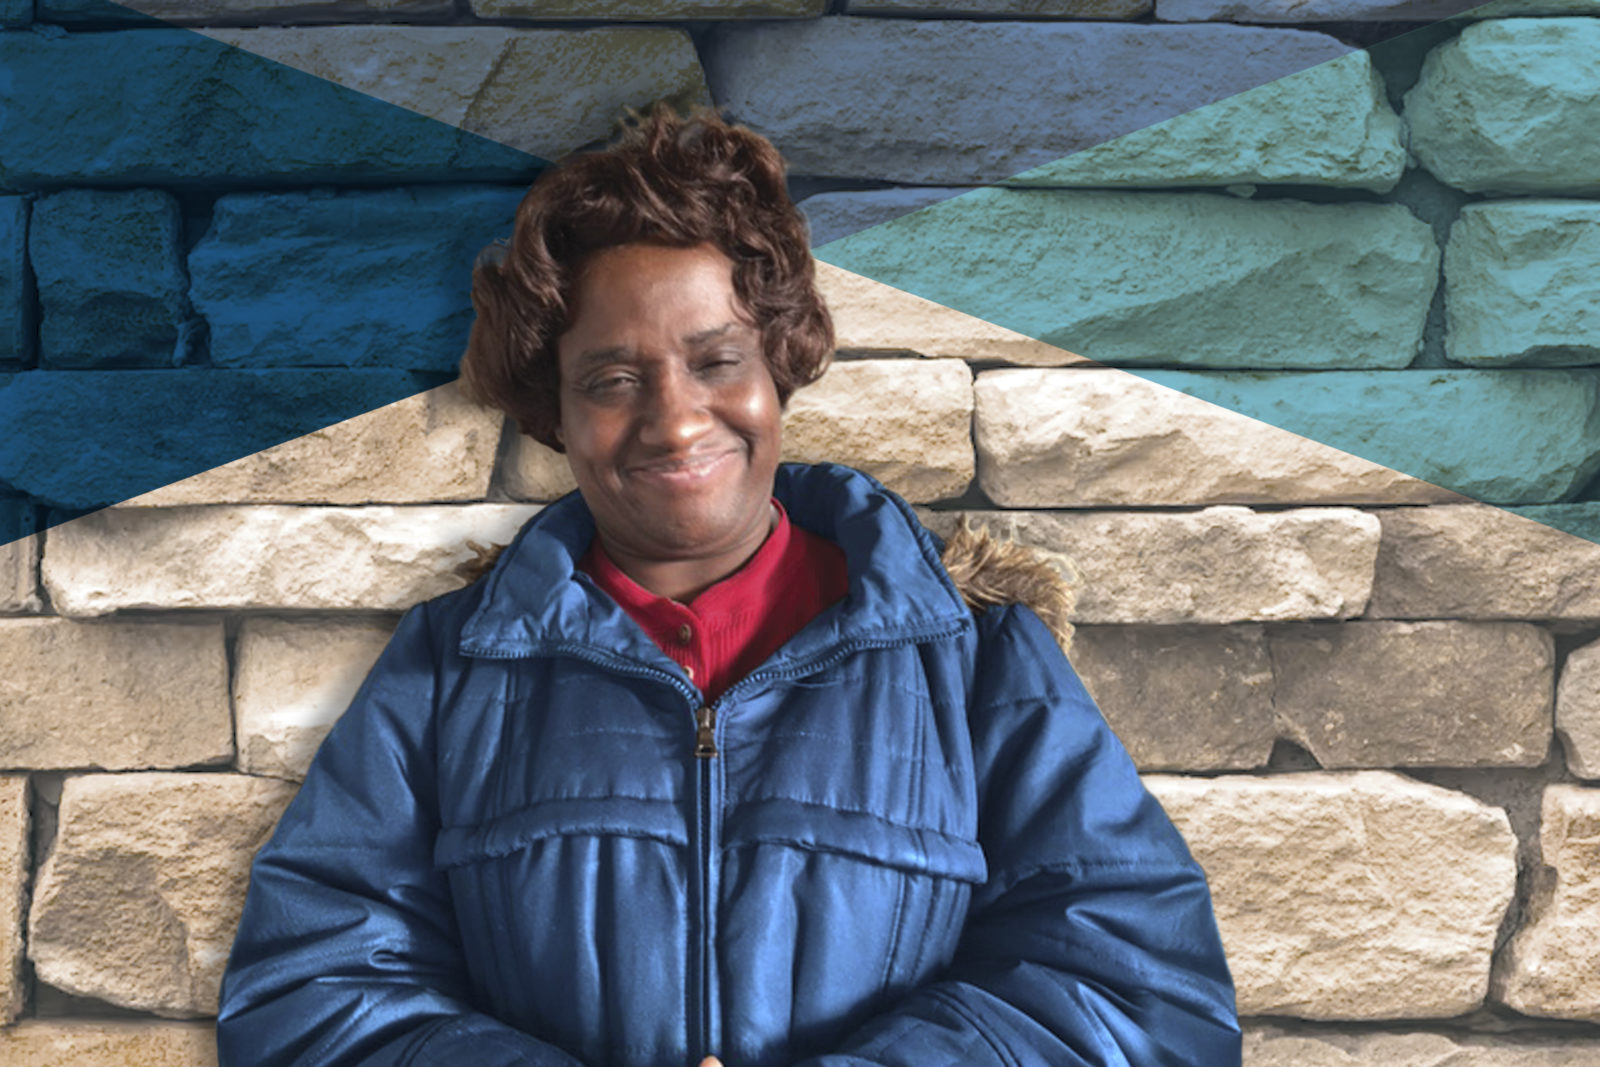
595 357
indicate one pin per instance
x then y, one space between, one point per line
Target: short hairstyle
667 180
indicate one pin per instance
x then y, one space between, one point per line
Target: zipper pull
705 734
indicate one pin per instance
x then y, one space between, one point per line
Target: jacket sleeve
347 951
1093 940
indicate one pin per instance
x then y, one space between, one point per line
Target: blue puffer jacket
915 843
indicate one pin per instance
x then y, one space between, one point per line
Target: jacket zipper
705 877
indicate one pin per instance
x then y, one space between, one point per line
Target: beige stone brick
113 695
1578 710
1329 890
1107 438
1266 1045
19 584
1473 562
869 316
534 472
270 556
138 901
435 446
906 422
1416 694
545 92
102 1043
292 682
13 893
1550 965
1182 697
1217 565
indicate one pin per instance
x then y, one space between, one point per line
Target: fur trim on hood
990 570
987 570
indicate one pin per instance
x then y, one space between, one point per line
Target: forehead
638 294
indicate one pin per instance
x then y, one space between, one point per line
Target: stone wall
1370 699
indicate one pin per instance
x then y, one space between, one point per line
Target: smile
683 472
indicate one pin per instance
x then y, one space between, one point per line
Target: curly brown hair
670 180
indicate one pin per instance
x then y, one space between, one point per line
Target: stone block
15 13
1415 694
347 278
137 903
535 472
1107 438
19 558
1266 1045
1550 963
432 447
542 92
1329 124
1329 894
14 874
241 12
869 316
964 102
16 295
1511 437
1217 565
108 1043
465 103
109 269
1030 9
117 696
906 422
1473 562
1578 710
164 426
1522 284
1182 697
1183 279
293 681
647 10
1510 106
1424 11
269 556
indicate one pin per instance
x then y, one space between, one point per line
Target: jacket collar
534 601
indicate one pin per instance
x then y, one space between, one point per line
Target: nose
676 413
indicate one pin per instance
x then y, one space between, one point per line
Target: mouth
683 472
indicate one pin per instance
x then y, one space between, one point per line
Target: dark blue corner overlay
180 286
258 204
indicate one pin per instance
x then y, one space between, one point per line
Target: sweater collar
535 602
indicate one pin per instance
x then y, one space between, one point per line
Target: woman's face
669 415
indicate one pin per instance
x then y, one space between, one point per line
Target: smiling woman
718 763
669 416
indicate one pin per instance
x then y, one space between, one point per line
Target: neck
684 578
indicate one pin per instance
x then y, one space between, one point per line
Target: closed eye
608 383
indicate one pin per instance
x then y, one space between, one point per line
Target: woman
717 760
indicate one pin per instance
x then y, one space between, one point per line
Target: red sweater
732 627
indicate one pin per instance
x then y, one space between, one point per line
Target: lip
683 472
